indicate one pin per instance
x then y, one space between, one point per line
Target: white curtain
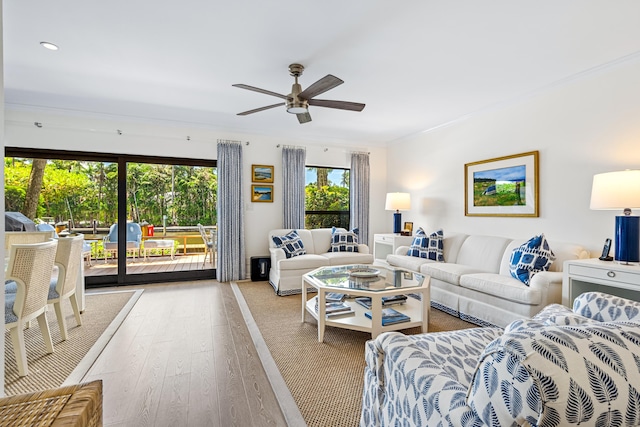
359 199
293 182
231 262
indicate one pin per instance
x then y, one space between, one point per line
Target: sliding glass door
144 219
173 208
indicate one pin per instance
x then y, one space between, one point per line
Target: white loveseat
475 284
286 273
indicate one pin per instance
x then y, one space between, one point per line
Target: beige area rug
71 359
325 379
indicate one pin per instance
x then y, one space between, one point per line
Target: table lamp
396 202
620 191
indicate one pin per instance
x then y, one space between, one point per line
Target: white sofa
286 274
475 284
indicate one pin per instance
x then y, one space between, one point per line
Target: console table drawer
385 238
613 275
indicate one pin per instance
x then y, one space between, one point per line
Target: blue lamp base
627 239
397 219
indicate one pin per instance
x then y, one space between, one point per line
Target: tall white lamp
620 191
397 202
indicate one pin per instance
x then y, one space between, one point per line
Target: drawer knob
611 273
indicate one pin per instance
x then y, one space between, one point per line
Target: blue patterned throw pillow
429 247
419 245
290 243
344 241
530 258
436 246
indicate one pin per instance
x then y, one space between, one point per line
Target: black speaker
260 266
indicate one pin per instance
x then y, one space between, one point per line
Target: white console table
589 275
385 244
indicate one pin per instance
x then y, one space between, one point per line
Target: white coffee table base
417 310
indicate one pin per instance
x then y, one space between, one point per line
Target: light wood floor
184 357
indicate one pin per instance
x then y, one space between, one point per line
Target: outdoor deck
154 264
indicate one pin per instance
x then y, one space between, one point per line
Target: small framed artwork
262 193
504 186
261 173
408 227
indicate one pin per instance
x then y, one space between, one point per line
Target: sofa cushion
303 262
291 243
559 375
407 262
344 241
447 272
320 240
531 257
501 286
346 258
482 252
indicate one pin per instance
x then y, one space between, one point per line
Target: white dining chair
29 269
68 260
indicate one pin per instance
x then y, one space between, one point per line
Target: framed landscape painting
261 173
504 186
262 193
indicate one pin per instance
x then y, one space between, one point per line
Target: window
326 197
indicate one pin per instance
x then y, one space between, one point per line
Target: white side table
385 244
589 275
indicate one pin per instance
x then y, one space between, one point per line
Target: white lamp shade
398 202
616 190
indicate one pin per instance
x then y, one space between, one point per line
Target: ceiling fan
298 101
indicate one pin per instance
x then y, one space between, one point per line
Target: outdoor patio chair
68 260
29 270
86 247
209 243
134 237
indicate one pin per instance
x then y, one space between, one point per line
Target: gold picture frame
504 186
262 193
261 173
408 226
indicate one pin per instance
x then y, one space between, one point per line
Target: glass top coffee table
375 282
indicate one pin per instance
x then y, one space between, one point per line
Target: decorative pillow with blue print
436 246
419 245
344 241
429 247
530 258
290 243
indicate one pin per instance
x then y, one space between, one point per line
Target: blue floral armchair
563 367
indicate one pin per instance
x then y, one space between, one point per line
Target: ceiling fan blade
341 105
326 83
304 117
257 89
244 113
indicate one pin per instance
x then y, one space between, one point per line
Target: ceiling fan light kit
298 101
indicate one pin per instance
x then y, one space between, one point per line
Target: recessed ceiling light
49 45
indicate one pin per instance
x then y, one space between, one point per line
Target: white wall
586 126
2 198
73 132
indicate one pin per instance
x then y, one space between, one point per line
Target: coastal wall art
504 186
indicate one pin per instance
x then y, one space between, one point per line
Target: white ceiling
416 64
